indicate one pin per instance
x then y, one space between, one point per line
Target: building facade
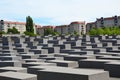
90 25
79 27
62 29
20 26
41 30
104 22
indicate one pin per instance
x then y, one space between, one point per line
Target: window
8 25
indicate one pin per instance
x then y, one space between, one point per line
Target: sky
58 12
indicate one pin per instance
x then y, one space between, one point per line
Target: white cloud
60 11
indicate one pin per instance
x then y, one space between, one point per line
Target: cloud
55 12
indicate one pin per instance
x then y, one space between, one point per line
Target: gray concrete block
29 56
7 58
17 76
64 63
15 69
93 63
71 74
28 64
113 68
10 63
77 57
34 60
110 57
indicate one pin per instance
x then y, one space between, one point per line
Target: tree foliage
76 33
99 31
29 24
29 33
49 31
105 31
2 32
13 30
92 31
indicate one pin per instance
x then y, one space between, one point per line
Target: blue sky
57 12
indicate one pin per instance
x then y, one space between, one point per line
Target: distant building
41 30
78 27
38 27
20 26
104 22
62 29
1 25
74 26
65 29
90 25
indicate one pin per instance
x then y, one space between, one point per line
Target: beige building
74 26
20 26
78 27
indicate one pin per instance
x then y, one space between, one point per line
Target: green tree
92 31
117 31
107 31
100 31
76 33
29 33
13 30
2 32
29 24
48 31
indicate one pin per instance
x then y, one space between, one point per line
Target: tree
29 24
2 32
13 30
92 31
49 31
100 31
107 31
75 32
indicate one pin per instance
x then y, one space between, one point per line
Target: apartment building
62 29
40 30
104 22
90 25
78 27
37 27
20 26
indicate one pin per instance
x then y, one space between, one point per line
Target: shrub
13 31
50 31
105 31
92 31
99 31
2 32
29 33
